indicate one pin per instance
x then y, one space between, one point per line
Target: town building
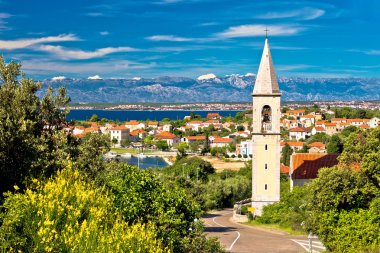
305 167
120 133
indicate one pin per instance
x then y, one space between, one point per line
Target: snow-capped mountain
210 88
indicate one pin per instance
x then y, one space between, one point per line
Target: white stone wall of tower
266 144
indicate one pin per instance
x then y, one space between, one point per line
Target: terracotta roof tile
165 136
299 129
284 169
293 143
317 144
306 166
120 128
196 138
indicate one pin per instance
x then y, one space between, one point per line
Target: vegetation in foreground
59 194
341 206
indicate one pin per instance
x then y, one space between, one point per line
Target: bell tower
266 135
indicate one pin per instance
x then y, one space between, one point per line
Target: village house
190 139
244 148
195 124
305 167
317 147
170 138
299 133
78 130
138 135
120 133
216 141
214 115
330 128
152 124
307 120
295 145
290 123
295 113
374 122
318 129
134 124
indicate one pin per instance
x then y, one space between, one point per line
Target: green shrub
67 214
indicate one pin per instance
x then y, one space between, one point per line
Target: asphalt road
241 238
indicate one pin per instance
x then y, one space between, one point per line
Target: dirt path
221 165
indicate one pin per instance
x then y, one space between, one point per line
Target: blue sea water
146 162
126 115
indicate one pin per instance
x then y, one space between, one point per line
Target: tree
240 128
239 116
335 145
181 153
94 118
126 142
318 137
286 152
162 144
30 128
148 141
114 141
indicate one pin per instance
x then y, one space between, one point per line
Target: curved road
236 237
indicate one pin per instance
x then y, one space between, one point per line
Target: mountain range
210 88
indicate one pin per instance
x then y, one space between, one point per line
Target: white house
120 133
299 133
246 148
374 122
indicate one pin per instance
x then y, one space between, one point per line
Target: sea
146 162
126 115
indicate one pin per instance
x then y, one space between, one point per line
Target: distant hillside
209 88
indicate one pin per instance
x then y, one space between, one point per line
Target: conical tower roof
266 82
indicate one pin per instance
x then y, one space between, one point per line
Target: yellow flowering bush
68 214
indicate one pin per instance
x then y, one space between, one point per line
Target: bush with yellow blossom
68 214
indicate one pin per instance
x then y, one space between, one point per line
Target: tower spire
266 32
266 81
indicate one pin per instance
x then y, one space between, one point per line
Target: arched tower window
266 119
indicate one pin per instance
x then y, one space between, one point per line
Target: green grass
276 227
133 151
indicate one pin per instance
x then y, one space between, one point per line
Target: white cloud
58 78
168 38
23 43
104 33
258 30
76 54
304 14
3 23
372 52
95 77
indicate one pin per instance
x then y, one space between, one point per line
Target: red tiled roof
212 121
293 143
120 128
132 123
195 122
317 144
364 126
306 166
330 124
165 135
308 116
299 129
138 131
319 128
213 115
196 138
284 169
153 123
79 127
222 140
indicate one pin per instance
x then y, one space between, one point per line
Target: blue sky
150 38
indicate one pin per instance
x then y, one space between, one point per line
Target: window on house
266 147
266 187
266 166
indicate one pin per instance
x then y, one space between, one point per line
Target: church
266 135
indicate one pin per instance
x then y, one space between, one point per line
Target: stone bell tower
266 135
